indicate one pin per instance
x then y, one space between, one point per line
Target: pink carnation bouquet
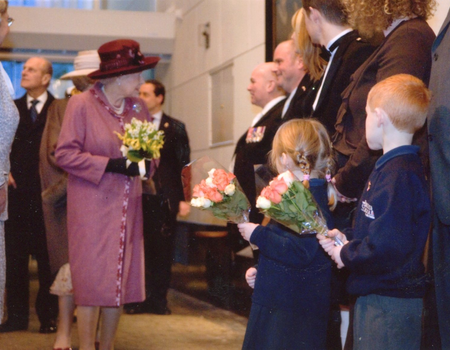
217 191
287 201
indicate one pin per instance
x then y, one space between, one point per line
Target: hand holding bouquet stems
328 244
289 202
142 142
246 229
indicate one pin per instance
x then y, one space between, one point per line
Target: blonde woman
311 54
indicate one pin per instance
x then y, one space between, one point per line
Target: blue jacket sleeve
285 247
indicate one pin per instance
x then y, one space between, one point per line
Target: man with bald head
253 147
292 78
24 231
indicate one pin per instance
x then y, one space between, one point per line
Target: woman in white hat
54 197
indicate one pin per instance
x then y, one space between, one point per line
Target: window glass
57 87
122 5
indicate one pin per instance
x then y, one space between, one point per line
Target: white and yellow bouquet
141 140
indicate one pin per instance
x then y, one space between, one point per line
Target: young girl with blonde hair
291 300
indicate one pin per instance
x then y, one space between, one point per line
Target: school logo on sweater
367 209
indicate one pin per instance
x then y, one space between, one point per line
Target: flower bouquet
141 140
289 202
212 188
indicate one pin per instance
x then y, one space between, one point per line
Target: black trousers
25 236
159 237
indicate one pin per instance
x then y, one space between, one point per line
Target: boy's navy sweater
391 227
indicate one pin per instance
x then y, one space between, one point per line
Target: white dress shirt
157 118
288 102
341 34
267 108
42 99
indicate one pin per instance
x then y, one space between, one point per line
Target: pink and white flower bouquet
217 191
287 201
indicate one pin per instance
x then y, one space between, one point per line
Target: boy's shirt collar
398 151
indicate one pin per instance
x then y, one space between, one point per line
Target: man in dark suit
161 208
254 145
292 78
437 319
327 26
24 231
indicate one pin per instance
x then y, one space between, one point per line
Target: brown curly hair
373 16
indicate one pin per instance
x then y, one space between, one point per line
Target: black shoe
134 308
13 326
48 327
158 309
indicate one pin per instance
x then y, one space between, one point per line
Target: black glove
147 169
119 165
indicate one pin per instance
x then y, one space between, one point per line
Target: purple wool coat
104 210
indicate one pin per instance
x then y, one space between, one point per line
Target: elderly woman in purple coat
104 213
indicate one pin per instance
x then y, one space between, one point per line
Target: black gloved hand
133 169
119 165
147 169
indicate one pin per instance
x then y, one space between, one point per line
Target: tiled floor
204 315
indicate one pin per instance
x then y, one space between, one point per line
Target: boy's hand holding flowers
329 245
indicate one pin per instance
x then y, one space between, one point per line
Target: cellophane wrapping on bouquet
208 186
286 200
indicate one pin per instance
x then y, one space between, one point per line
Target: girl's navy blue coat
291 299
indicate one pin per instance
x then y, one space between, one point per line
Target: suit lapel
42 117
267 114
442 32
336 63
164 123
241 142
302 89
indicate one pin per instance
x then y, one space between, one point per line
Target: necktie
325 54
33 111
